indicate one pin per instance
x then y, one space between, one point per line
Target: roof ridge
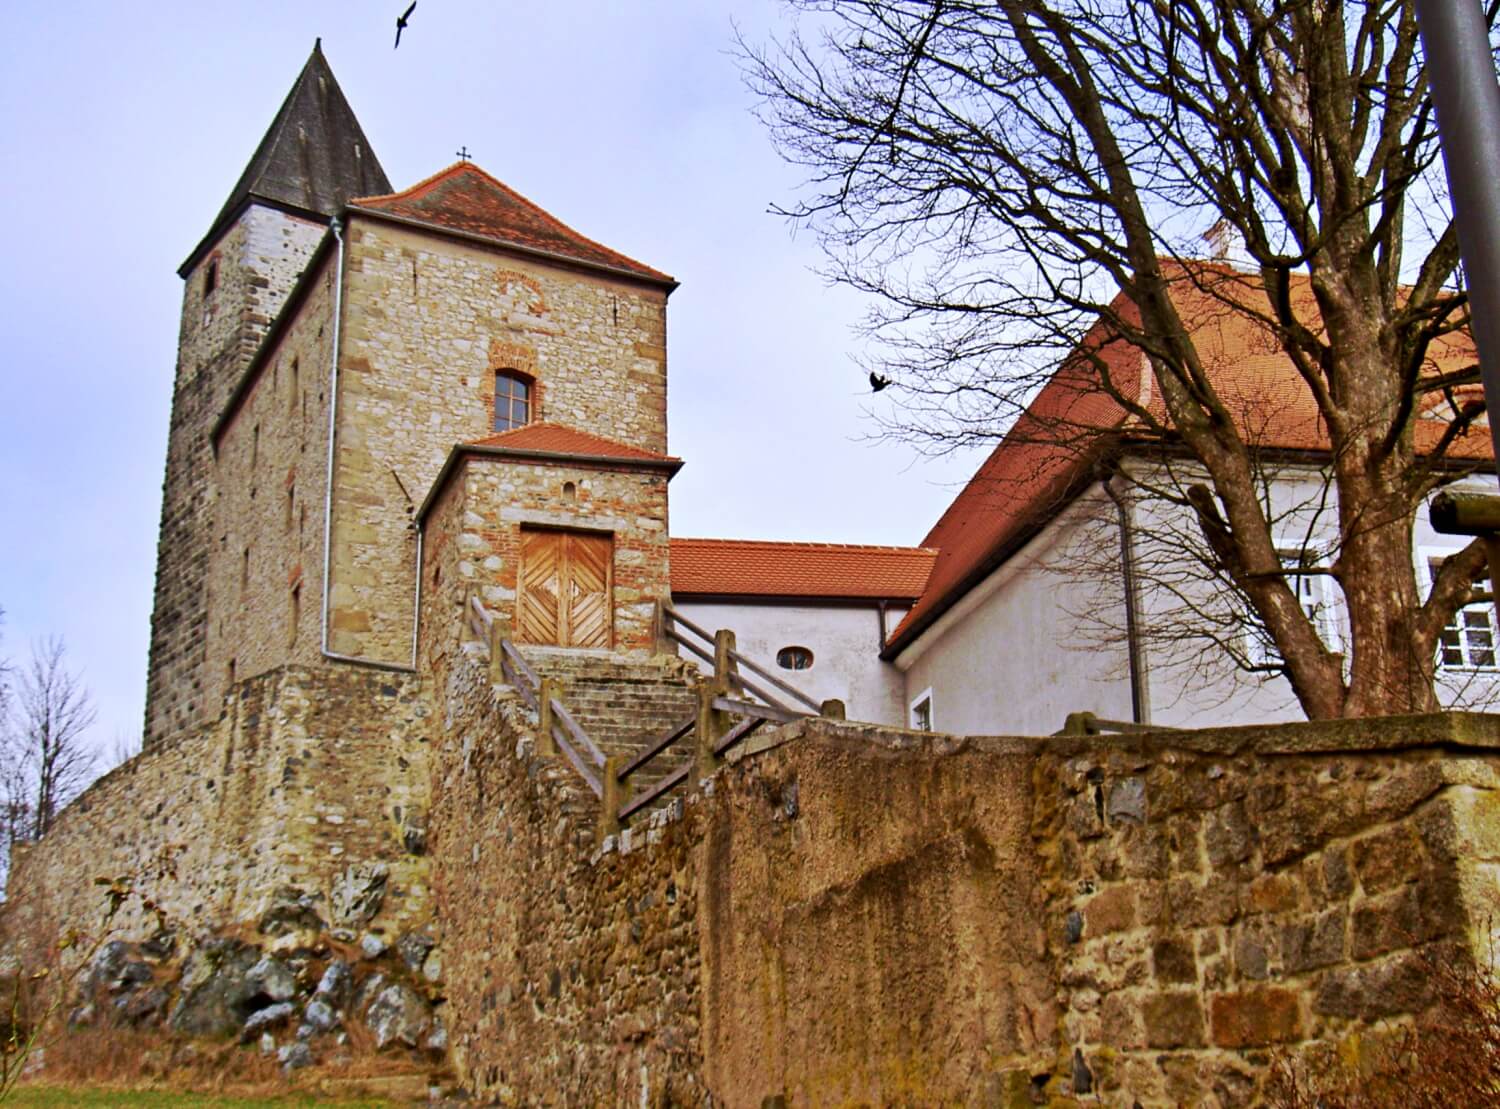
582 245
806 543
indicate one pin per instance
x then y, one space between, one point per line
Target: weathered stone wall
570 982
307 772
1213 895
427 321
474 539
266 565
258 259
859 915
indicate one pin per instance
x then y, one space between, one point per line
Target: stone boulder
357 894
217 992
291 910
398 1014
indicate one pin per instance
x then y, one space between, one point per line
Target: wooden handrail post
709 731
609 811
832 709
497 654
664 643
546 743
726 670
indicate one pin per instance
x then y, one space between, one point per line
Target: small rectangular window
921 711
295 615
1468 642
1315 595
211 277
291 506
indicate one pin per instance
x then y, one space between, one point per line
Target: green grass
52 1097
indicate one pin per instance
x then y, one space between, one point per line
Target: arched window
512 400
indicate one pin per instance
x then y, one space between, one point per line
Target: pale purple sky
126 125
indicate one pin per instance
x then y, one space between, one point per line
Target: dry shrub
1448 1056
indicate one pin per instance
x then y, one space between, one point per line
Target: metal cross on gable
463 153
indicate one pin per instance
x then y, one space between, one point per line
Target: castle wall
258 260
864 915
265 575
480 536
427 322
306 773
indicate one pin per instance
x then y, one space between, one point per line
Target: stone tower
313 158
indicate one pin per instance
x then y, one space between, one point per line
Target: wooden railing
723 719
1086 723
557 731
718 650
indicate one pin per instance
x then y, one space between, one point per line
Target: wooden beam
667 739
750 708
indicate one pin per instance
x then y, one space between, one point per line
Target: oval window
794 658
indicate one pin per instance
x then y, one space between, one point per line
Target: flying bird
401 22
877 382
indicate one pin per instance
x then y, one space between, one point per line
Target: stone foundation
307 775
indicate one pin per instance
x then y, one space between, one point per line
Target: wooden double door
565 588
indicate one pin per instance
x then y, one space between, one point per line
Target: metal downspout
1140 711
333 415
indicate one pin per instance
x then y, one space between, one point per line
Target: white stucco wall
1044 634
1011 658
844 640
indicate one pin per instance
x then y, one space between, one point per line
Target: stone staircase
625 705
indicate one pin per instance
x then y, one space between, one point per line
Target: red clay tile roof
556 439
1049 454
753 568
465 198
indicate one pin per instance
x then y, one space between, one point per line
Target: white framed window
920 713
1468 640
1315 593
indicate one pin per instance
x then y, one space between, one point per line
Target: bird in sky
877 382
401 22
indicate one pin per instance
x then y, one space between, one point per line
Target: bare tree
47 762
1024 185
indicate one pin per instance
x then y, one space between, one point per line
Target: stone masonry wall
502 496
307 773
1215 896
850 914
259 259
266 565
427 322
570 982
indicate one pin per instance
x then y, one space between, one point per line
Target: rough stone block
1173 1019
1255 1018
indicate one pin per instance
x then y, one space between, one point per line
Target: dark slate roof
313 158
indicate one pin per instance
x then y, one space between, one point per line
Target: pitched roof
549 438
1051 452
464 198
311 160
549 444
752 568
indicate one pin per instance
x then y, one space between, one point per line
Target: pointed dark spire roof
313 158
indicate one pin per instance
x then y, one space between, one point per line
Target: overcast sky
126 125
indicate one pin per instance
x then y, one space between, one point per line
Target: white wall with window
826 649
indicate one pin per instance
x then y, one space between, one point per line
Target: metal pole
1461 73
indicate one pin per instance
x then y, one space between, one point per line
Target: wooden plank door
565 588
587 608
